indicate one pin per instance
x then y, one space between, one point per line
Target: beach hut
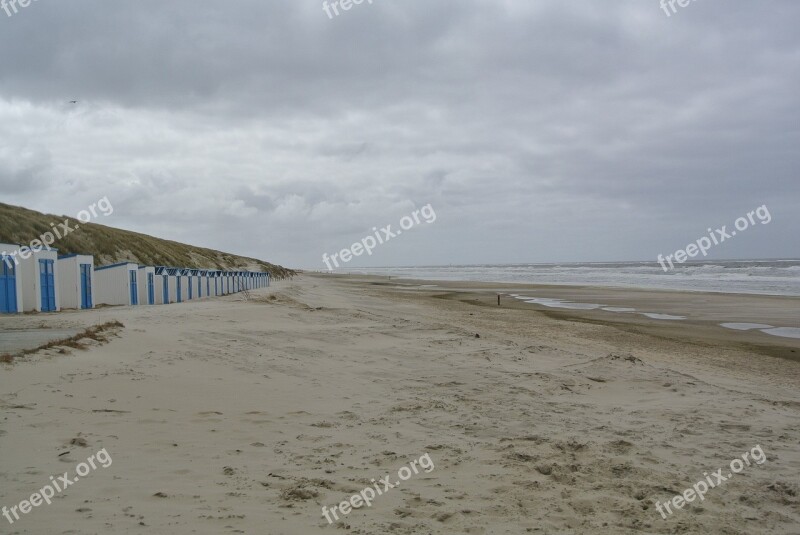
39 280
117 284
174 281
220 284
76 281
177 285
161 279
195 288
146 283
184 284
210 275
213 283
10 279
205 284
219 281
191 290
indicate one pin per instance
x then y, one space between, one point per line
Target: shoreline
704 311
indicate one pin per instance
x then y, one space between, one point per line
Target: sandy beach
234 416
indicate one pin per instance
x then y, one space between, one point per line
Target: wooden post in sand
498 299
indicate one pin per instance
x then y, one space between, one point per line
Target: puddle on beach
655 316
746 326
559 303
562 303
785 332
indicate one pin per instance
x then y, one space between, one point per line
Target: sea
763 277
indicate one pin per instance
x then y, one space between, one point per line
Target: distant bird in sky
73 101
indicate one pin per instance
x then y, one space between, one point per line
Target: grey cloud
552 130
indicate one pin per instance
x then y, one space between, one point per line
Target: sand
233 416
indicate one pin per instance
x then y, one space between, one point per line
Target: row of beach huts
42 281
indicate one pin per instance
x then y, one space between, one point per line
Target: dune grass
110 245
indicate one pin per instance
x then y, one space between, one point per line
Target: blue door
179 288
199 287
86 286
8 286
48 285
166 289
151 289
190 286
134 289
208 286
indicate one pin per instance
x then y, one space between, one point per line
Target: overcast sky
538 130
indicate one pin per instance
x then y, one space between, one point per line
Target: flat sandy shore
232 416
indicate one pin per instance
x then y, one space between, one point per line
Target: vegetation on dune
110 245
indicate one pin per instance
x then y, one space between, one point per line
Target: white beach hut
196 284
220 283
161 279
39 273
184 285
223 283
10 279
190 289
176 286
146 282
76 281
212 283
204 287
117 284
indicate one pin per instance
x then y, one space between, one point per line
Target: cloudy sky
538 130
